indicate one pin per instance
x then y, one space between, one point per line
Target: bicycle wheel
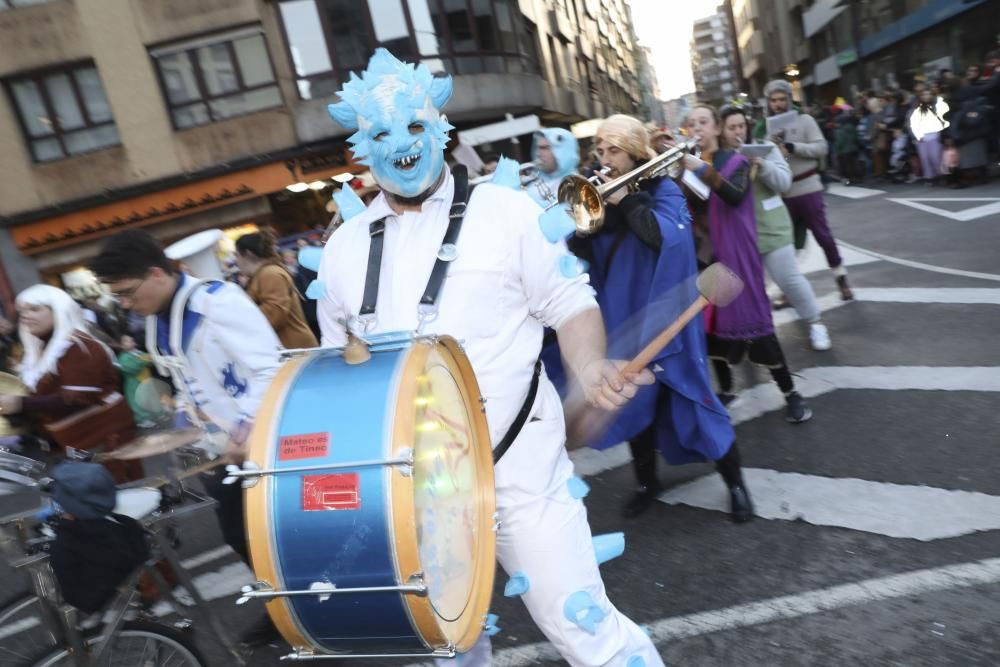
138 644
23 633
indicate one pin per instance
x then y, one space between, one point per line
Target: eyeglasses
130 292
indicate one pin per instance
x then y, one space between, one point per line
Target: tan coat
273 290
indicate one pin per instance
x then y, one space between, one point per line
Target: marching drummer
502 286
226 355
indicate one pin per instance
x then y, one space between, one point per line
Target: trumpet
586 198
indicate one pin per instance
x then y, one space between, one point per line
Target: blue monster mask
401 133
564 147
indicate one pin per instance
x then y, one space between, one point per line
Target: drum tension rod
251 472
262 589
307 654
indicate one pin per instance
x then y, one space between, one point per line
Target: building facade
675 110
770 41
192 114
891 43
713 60
652 107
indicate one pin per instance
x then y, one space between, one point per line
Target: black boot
641 501
740 506
845 290
643 449
729 467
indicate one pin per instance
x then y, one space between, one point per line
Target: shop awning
155 207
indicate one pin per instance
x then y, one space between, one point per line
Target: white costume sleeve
329 308
553 298
245 334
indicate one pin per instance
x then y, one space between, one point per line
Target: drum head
452 489
137 503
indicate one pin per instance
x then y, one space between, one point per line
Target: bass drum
359 519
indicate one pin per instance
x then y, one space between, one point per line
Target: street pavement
878 536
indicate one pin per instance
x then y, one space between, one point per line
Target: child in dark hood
95 550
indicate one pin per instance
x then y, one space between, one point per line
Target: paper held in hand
779 123
756 150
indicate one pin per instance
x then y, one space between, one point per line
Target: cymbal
11 385
155 443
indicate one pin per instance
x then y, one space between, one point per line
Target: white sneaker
819 337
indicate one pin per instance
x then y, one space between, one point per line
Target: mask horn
343 113
441 88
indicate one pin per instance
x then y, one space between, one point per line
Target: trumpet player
556 155
643 268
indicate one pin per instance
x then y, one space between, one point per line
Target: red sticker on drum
331 492
304 446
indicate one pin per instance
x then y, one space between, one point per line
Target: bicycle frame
62 620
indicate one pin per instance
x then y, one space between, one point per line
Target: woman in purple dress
725 231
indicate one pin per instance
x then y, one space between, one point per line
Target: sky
665 27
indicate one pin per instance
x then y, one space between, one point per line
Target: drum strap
376 230
521 418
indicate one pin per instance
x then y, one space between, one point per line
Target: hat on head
626 133
85 490
778 86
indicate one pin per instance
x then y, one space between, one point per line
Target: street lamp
792 71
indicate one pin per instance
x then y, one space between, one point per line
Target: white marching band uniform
503 288
221 351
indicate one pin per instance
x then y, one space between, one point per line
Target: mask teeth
404 161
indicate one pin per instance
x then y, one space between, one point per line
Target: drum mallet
717 285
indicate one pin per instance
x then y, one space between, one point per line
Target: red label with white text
304 446
331 492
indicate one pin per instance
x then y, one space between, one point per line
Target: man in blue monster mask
556 154
503 286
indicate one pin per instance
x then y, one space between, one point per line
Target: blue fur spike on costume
607 547
581 609
316 290
518 584
490 627
556 223
310 257
508 174
577 487
348 202
572 266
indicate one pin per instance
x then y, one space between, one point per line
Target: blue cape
640 294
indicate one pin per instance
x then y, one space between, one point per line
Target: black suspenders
428 301
445 255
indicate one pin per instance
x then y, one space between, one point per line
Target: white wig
41 357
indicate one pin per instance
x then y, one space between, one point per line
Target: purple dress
733 231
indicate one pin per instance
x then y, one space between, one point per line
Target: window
64 112
327 39
219 77
555 57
